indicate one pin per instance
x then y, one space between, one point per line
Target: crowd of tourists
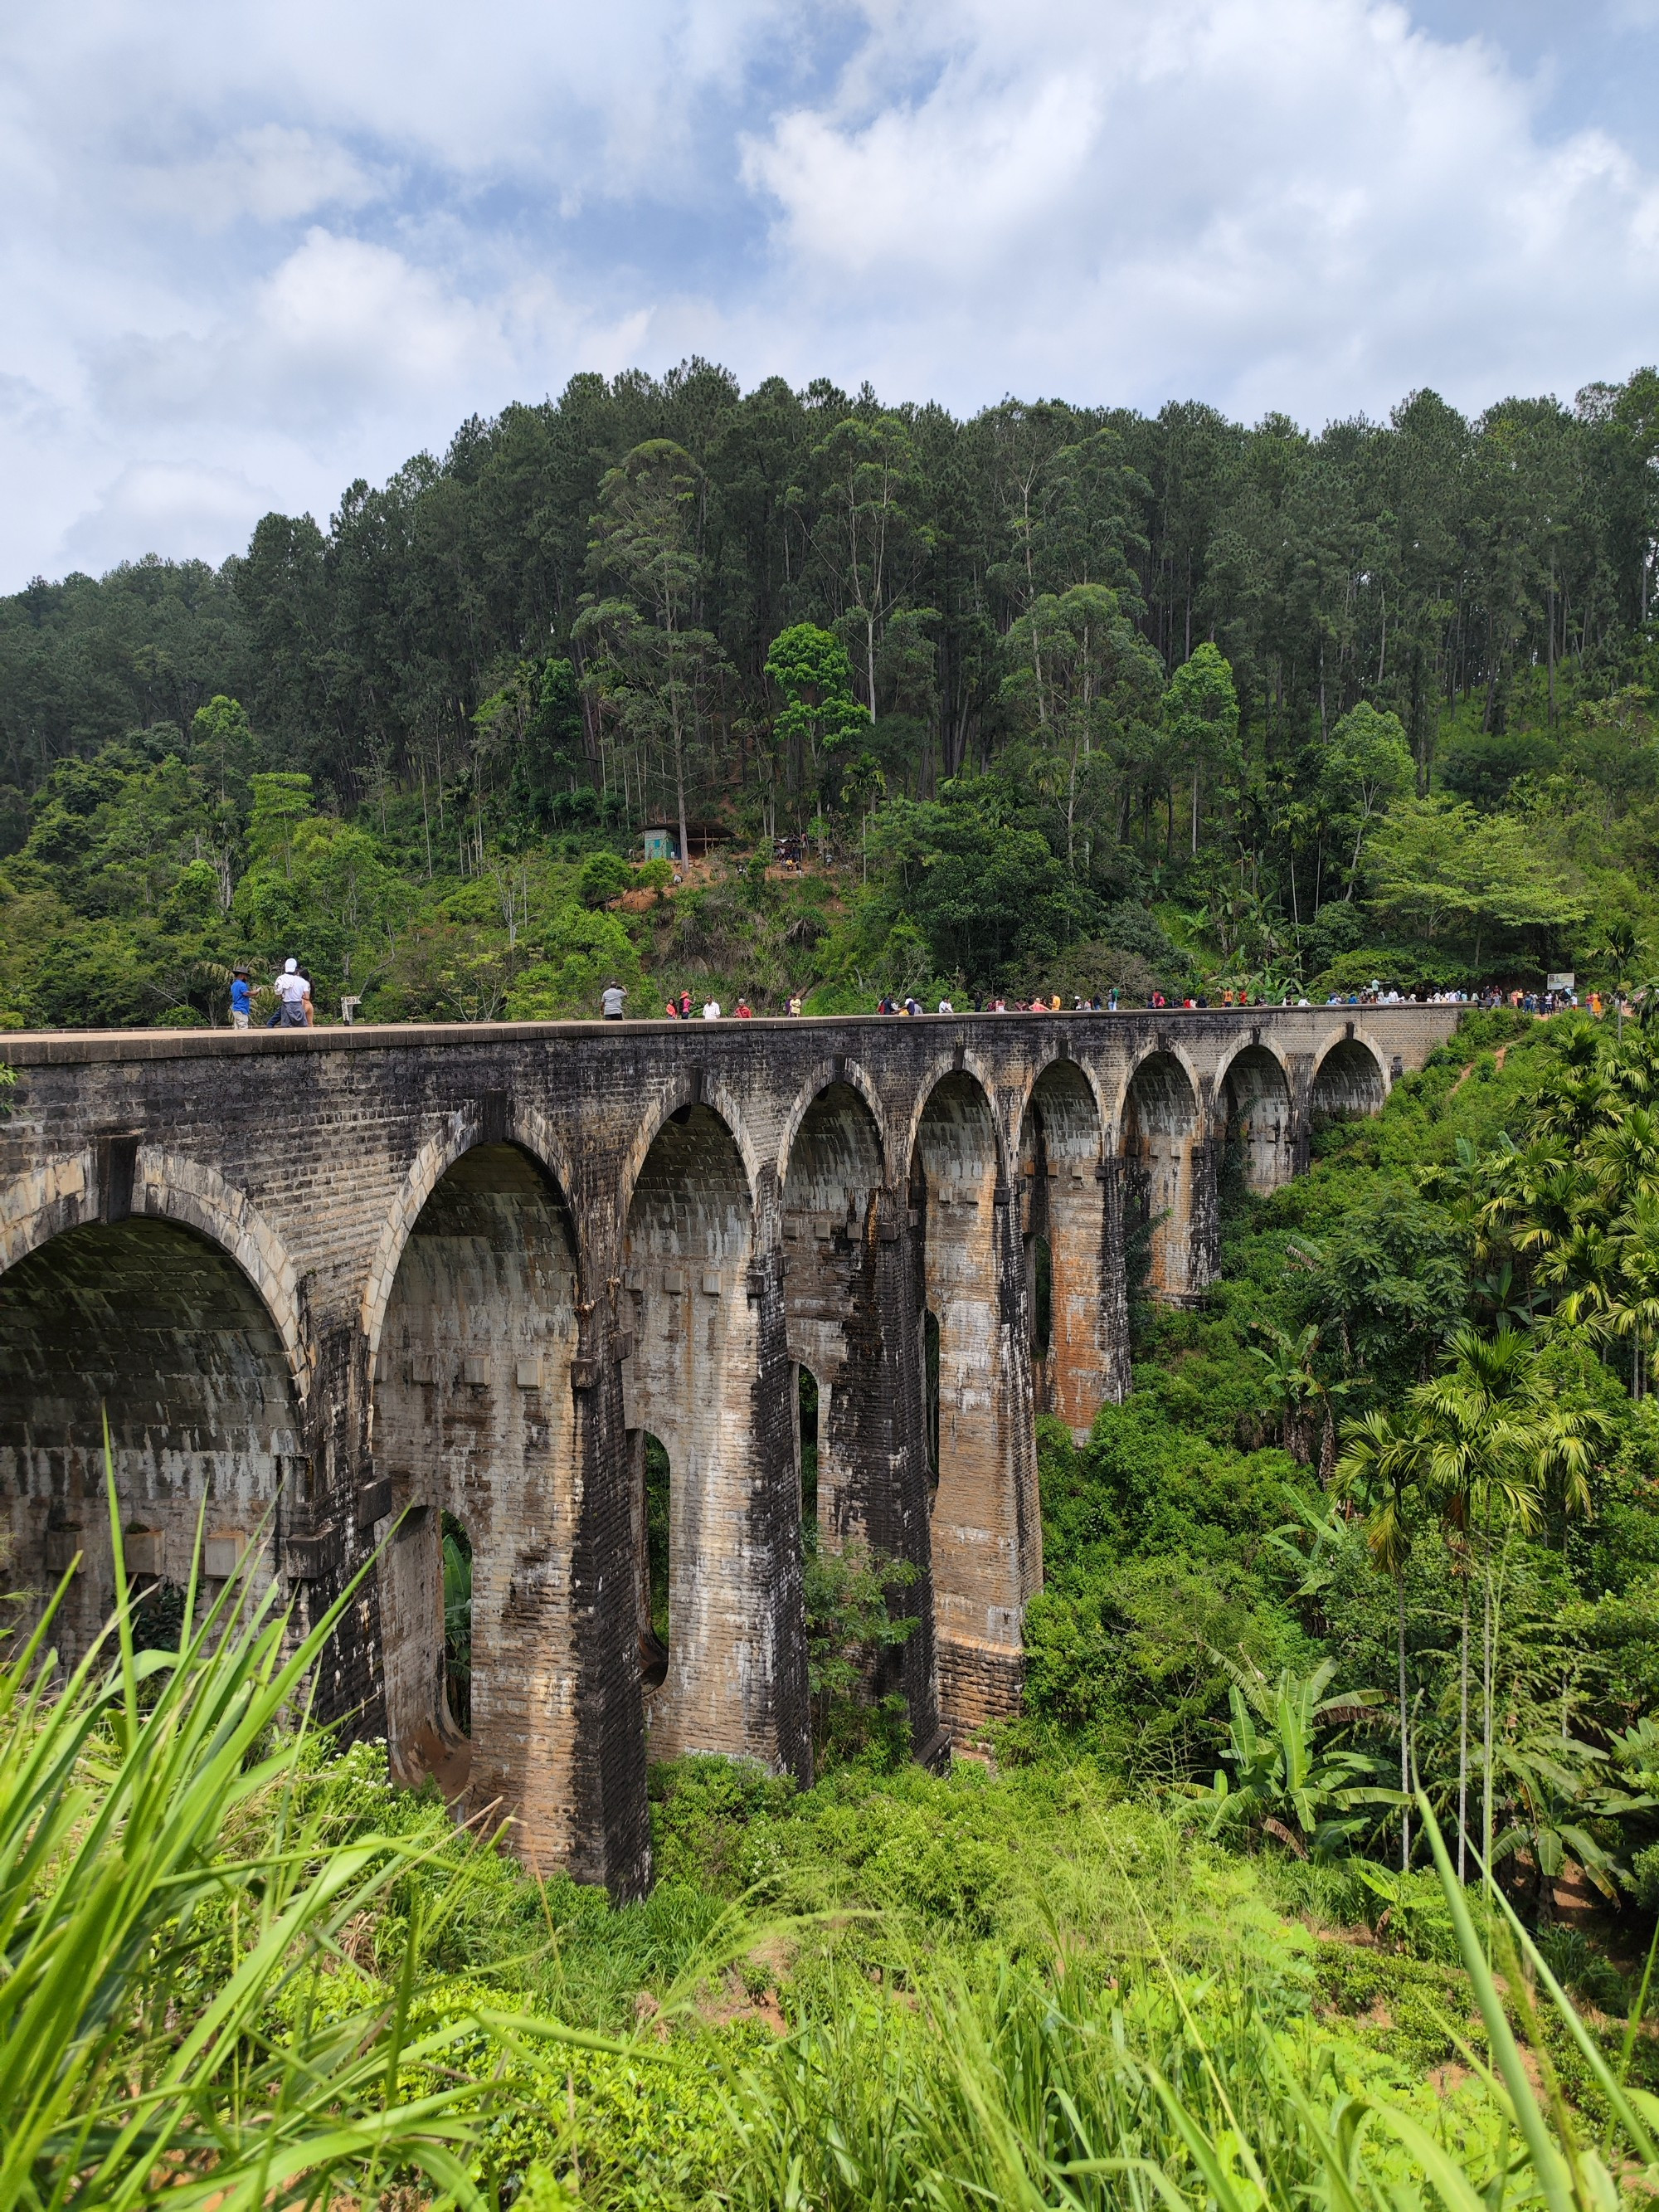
295 1009
908 1006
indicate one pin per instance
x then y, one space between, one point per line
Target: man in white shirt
711 1010
292 992
610 1000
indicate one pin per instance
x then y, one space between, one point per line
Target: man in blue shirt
242 1000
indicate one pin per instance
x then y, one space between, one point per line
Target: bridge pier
987 1536
321 1280
1074 1266
850 1308
708 1375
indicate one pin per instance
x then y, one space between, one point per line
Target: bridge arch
980 1074
845 1071
474 1436
1350 1077
1163 1047
462 1131
687 1089
153 1320
708 1377
1068 1259
1159 1136
1251 1108
832 1206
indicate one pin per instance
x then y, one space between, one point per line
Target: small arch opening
930 1373
806 1409
1041 1298
653 1540
457 1548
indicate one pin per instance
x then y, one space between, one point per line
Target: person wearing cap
293 997
241 999
610 1000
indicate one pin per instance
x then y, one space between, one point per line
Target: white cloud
253 253
273 173
1296 203
159 503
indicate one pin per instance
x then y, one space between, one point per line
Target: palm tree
1621 951
1381 1467
1496 1441
1295 1390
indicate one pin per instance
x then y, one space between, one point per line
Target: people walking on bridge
744 1010
686 1005
293 999
610 1000
711 1010
241 999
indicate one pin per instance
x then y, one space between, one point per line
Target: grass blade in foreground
155 2016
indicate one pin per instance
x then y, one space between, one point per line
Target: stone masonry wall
226 1238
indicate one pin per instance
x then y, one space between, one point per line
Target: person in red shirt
744 1010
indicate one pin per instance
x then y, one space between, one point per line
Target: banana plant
1312 1795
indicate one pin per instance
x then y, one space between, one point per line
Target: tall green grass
158 2023
200 2005
1073 2085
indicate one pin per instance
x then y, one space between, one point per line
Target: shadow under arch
840 1070
1350 1082
1073 1264
1158 1137
1254 1118
708 1377
473 1421
832 1205
156 1321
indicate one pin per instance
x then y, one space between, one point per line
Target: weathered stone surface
323 1279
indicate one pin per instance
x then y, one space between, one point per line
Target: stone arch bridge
341 1283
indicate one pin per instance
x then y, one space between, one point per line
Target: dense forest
1052 697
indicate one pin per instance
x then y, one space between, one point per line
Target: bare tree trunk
1463 1735
1405 1737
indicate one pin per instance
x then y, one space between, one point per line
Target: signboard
1559 982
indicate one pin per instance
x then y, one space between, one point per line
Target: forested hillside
1055 696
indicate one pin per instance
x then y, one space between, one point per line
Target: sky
251 251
